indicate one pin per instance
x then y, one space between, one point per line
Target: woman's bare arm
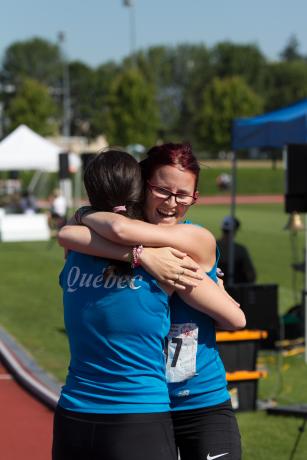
209 298
82 239
164 264
197 242
205 296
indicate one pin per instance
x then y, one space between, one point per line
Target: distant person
223 181
27 203
244 270
58 209
12 203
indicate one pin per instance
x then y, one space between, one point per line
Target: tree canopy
221 102
132 110
33 106
170 93
35 58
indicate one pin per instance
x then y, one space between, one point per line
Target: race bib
181 352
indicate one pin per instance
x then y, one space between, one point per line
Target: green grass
31 310
250 181
262 231
31 306
267 437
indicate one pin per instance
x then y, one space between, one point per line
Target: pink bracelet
136 252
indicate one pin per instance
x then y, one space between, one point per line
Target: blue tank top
200 378
116 327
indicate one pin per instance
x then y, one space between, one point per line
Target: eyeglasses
165 194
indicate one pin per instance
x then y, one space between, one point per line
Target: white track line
26 379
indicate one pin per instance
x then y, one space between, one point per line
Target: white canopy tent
23 149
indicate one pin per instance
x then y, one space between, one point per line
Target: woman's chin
157 218
166 220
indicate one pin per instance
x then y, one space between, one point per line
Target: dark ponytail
113 178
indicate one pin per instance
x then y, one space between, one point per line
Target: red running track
217 199
25 423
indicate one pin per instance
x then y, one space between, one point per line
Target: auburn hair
179 155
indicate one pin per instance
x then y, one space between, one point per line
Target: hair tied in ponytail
119 208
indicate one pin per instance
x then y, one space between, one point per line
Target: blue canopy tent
275 129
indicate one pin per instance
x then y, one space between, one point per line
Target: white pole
65 88
34 181
130 5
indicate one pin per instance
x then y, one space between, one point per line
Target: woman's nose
171 200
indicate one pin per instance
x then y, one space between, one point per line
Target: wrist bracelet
81 212
136 252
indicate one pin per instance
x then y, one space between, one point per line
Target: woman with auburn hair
204 423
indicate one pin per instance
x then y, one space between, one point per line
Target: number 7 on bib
181 349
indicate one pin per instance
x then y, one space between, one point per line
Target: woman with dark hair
114 404
202 415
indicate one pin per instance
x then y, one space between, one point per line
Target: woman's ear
196 196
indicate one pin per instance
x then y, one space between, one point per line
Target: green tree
247 61
89 96
291 50
35 58
105 75
221 102
177 74
157 65
33 106
197 72
286 82
83 97
132 110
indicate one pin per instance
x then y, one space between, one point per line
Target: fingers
174 285
182 282
192 274
189 264
178 287
177 253
186 277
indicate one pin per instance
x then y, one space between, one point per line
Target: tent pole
231 248
34 181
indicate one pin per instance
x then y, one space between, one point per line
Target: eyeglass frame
170 194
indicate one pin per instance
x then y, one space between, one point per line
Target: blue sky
99 30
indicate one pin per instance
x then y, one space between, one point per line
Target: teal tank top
116 326
195 372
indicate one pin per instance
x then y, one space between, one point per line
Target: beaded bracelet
136 252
